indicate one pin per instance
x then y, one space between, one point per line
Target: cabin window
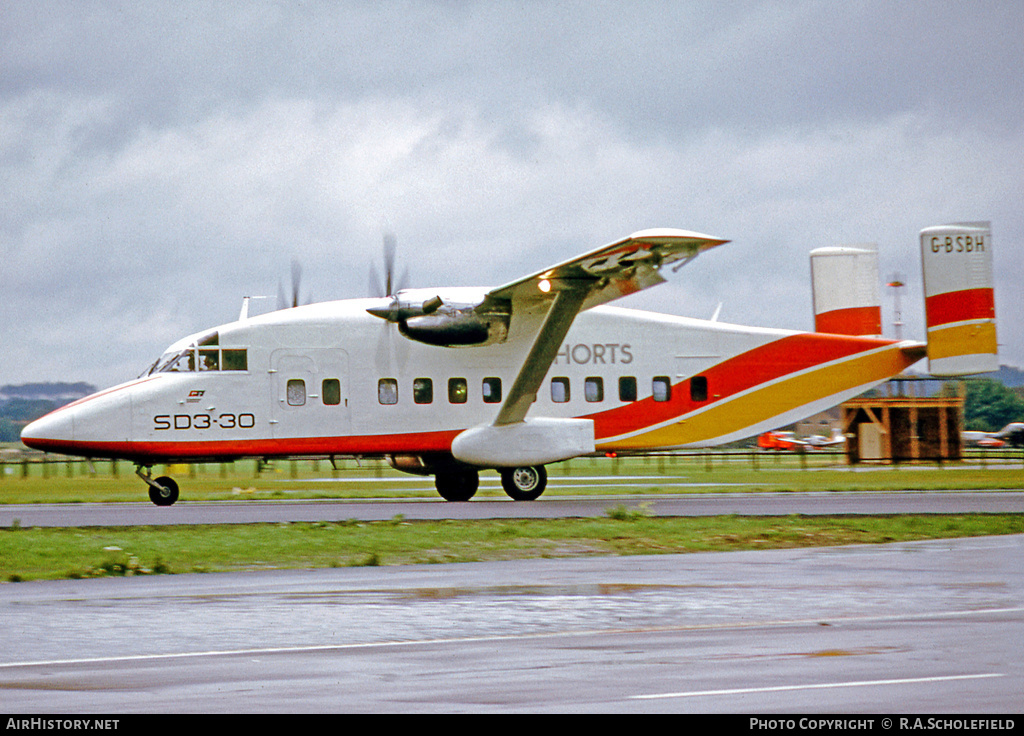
209 354
185 361
296 392
387 391
593 389
209 360
331 391
423 391
233 360
560 390
699 388
458 391
492 390
661 387
627 388
202 359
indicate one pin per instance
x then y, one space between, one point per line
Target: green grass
33 553
37 553
78 482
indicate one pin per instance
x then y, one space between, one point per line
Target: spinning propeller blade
283 302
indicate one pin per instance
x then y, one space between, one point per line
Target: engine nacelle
455 328
455 323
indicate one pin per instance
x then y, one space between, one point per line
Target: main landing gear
457 484
524 484
521 484
163 491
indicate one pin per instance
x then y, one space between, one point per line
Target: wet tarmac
699 504
911 627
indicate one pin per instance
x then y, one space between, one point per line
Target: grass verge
37 553
104 481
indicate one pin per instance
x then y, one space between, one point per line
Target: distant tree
10 431
48 391
26 410
988 405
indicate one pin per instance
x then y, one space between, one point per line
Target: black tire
167 494
525 483
457 485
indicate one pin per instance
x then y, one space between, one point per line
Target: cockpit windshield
202 353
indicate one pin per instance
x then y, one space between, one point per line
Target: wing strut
607 273
560 316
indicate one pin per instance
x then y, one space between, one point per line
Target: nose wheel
163 491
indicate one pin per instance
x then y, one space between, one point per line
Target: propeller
396 311
283 302
389 287
387 349
430 321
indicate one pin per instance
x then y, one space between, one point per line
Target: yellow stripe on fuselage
759 405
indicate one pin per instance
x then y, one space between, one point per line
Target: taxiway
923 627
699 504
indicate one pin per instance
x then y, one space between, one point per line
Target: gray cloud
161 160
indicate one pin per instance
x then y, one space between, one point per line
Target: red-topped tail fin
844 281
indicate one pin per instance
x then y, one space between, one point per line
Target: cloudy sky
160 160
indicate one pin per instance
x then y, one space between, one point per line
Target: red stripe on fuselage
755 367
229 449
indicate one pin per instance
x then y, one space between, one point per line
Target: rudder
959 300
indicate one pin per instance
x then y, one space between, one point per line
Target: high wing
612 271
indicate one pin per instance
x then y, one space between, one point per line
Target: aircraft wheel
524 484
457 485
166 494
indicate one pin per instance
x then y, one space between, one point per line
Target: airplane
449 382
836 439
1012 434
779 440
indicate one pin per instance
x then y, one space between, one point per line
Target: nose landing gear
163 491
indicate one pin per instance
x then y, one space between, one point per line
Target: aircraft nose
51 432
96 426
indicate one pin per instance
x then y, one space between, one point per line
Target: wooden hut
903 428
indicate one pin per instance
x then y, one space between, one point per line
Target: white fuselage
331 379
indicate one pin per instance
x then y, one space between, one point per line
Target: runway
923 627
556 506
